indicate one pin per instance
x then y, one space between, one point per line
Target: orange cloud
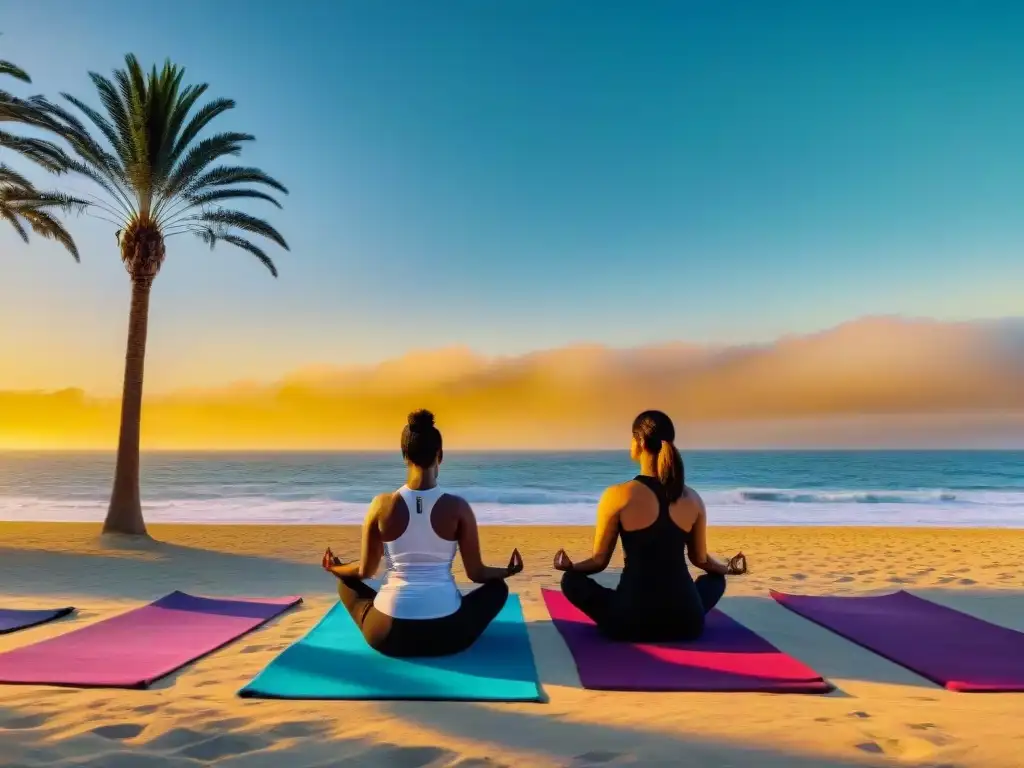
877 381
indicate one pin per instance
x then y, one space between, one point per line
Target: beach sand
881 714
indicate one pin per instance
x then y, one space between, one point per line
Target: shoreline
809 528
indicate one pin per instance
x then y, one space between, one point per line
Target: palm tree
21 204
157 179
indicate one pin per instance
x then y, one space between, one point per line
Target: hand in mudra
738 565
562 561
329 560
515 563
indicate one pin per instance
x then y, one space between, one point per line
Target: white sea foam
525 506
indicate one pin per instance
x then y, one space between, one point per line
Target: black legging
630 618
423 637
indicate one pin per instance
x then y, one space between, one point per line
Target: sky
527 175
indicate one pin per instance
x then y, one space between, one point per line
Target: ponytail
654 432
670 471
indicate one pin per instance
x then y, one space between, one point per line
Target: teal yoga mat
333 661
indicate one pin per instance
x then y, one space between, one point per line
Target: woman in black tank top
656 599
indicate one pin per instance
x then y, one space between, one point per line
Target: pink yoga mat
727 657
957 651
134 649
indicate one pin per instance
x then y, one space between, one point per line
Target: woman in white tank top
417 529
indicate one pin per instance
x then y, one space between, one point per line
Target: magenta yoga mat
727 657
135 648
950 648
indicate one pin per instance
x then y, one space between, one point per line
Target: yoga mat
333 661
727 657
11 620
133 649
948 647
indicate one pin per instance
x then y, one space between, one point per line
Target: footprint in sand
119 732
967 582
294 730
595 758
25 723
227 724
798 576
844 580
860 714
254 648
931 733
392 756
132 760
177 738
225 745
872 747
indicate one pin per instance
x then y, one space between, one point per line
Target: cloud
876 381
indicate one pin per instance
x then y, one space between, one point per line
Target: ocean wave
496 507
845 497
344 494
939 498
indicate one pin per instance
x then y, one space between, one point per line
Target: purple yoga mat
948 647
727 657
11 620
133 649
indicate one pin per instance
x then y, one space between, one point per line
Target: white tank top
419 583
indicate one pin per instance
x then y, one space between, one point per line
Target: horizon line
535 451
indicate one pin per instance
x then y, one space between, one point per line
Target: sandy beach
881 714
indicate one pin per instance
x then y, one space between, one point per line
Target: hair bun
421 420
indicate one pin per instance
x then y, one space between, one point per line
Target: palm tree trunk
125 512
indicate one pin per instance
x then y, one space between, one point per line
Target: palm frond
142 144
11 179
217 195
243 221
211 236
91 152
12 70
9 216
44 225
225 175
199 121
98 120
24 198
22 203
200 157
38 151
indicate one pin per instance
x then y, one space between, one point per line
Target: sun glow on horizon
871 383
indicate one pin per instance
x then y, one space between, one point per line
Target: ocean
914 488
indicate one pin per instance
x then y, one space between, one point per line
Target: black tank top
655 557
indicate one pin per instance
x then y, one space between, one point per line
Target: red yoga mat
727 657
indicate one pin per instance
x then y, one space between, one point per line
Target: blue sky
521 175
